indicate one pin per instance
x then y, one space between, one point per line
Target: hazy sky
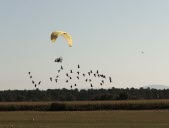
107 35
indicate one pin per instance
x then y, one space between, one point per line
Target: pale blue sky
107 35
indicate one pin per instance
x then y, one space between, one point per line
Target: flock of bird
76 75
33 82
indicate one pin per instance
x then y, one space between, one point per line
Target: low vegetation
85 105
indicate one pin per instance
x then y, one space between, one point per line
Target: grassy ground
86 119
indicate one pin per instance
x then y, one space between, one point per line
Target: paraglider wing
67 37
54 36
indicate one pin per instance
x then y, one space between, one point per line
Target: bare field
86 119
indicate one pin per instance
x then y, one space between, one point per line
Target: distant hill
156 86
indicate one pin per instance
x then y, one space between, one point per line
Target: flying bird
104 76
102 81
56 80
78 66
110 79
29 73
71 71
30 77
61 67
39 82
50 78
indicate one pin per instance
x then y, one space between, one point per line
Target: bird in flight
56 80
61 67
39 82
50 78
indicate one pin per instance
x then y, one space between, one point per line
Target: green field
86 119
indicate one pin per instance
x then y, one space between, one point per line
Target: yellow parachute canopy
56 34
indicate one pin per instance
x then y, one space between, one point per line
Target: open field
86 119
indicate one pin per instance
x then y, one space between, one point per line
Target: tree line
83 95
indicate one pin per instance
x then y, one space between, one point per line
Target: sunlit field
86 119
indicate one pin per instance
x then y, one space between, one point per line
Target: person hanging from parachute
59 60
67 37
